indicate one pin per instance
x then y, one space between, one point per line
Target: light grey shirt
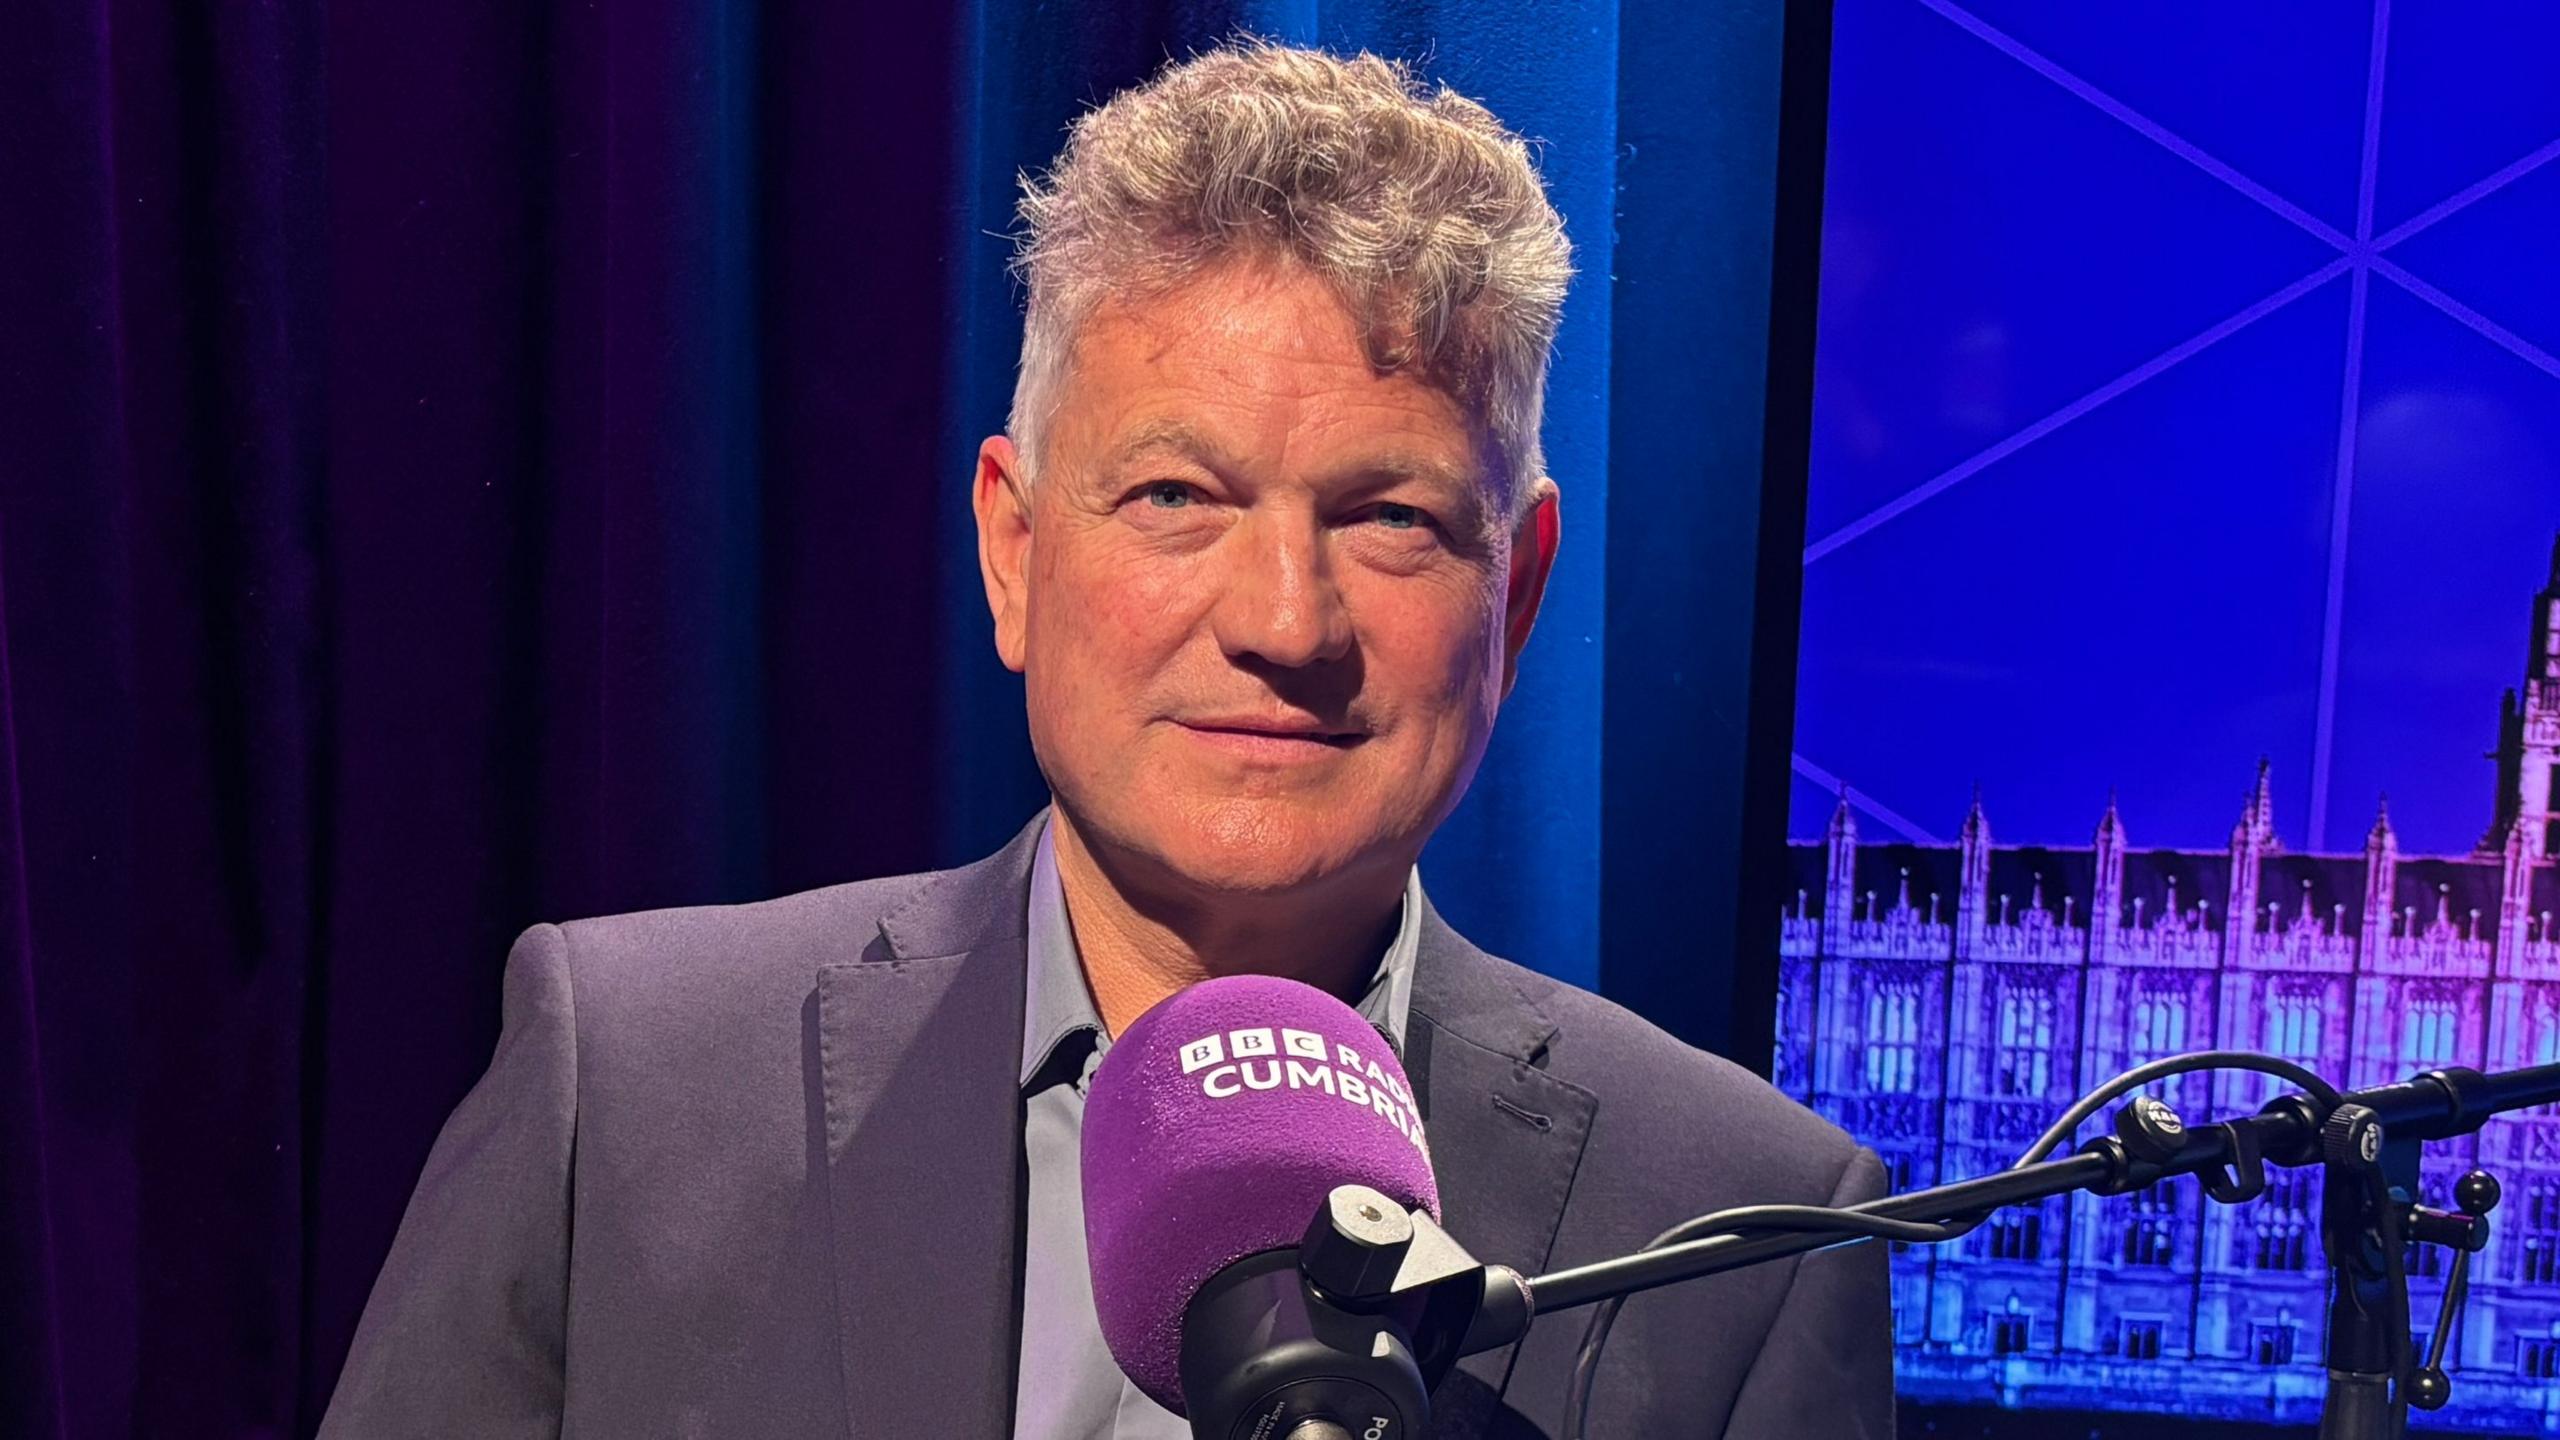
1068 1386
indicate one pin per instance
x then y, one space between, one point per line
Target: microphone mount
1346 1335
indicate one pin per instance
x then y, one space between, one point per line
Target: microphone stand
2368 1145
1347 1334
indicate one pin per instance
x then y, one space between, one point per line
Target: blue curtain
490 461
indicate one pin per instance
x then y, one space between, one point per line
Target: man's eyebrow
1372 471
1415 466
1157 435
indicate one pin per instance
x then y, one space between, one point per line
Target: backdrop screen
2185 475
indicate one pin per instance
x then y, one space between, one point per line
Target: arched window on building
2024 1059
2429 1032
2015 1234
1892 1057
2538 1356
2151 1227
2278 1233
2012 1328
2159 1027
2533 1251
2135 1338
2293 1025
2292 1029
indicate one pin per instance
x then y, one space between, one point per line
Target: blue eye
1168 494
1399 517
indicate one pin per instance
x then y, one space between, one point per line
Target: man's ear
997 496
1533 556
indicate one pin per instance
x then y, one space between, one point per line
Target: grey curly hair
1421 211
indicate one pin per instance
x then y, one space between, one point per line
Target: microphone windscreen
1213 1130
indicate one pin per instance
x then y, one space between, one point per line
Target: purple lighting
1943 1002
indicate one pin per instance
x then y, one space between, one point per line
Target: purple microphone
1215 1128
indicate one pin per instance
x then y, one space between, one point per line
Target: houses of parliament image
1945 1002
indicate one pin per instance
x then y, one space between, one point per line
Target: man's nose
1280 602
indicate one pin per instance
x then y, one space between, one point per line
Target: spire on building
2106 890
2258 816
2110 823
2381 868
2251 839
1840 875
1973 877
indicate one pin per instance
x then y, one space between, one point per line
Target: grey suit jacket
757 1171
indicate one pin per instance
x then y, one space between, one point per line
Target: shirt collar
1058 1014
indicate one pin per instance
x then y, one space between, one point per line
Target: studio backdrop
2186 466
480 463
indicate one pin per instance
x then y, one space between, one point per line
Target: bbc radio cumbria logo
1260 1057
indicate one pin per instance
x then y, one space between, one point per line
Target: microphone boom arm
1582 1285
2150 1146
1382 1291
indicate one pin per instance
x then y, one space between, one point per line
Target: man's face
1266 600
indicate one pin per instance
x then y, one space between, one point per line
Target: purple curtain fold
408 549
163 412
31 1369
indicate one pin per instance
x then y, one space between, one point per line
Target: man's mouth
1273 733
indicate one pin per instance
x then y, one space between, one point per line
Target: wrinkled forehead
1259 355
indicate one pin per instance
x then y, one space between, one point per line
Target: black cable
1802 1219
2141 1075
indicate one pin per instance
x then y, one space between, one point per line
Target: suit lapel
918 1043
918 1049
1506 1137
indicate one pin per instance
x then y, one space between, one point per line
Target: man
1265 537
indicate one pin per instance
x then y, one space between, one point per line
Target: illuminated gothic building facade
1944 1003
